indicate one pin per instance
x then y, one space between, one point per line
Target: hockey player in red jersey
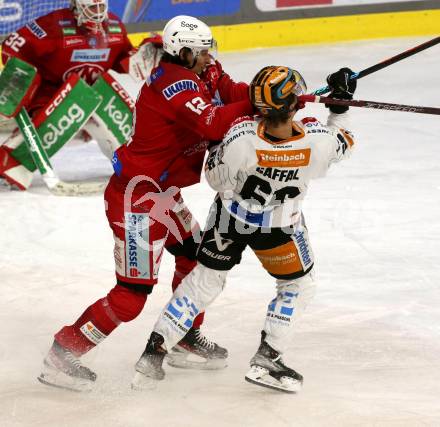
175 116
84 40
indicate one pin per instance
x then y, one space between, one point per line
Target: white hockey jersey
262 182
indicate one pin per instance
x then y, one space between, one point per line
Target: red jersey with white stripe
57 47
174 120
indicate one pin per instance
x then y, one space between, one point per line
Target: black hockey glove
341 87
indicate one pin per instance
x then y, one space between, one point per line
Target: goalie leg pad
56 123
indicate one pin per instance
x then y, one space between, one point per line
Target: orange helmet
274 89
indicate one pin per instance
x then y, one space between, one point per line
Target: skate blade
65 382
140 382
186 360
260 376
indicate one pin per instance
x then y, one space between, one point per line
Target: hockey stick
41 160
371 104
386 62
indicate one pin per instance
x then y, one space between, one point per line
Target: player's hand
140 64
211 76
342 86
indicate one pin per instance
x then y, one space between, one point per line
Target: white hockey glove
145 58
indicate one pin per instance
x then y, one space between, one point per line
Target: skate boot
269 370
61 368
149 367
195 351
5 185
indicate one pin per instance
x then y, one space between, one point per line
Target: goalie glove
141 63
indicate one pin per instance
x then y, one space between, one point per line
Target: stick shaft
371 104
399 57
35 147
387 62
42 162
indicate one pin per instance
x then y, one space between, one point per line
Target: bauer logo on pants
92 333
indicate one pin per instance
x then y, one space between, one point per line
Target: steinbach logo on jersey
36 30
90 55
287 158
180 86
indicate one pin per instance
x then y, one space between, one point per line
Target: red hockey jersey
174 120
57 47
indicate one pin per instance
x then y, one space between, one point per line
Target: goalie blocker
69 111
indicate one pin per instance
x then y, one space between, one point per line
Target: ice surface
369 344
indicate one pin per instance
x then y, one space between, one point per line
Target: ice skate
5 185
195 351
269 370
149 367
62 369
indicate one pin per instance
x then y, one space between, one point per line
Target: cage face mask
91 11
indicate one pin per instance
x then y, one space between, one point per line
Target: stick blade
78 189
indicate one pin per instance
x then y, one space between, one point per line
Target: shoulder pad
240 128
311 125
36 30
171 79
241 119
54 22
113 19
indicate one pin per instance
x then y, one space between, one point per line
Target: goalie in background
85 40
261 171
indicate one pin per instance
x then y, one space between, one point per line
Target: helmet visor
300 87
209 46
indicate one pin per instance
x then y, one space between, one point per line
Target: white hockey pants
196 292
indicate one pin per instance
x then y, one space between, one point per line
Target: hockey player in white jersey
261 171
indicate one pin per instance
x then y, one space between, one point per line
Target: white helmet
186 31
90 11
